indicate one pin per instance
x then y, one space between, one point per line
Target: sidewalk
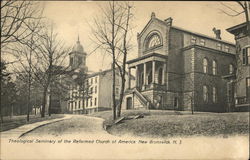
22 130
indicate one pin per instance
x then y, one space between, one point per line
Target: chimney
169 21
153 15
217 33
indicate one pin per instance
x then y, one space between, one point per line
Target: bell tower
77 57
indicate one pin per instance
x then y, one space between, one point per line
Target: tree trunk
192 106
113 92
28 106
121 97
44 101
50 104
113 55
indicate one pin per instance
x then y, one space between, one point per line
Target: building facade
179 69
242 77
97 92
99 96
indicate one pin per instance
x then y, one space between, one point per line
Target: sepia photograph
124 80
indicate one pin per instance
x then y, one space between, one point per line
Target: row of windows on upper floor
155 41
202 42
89 81
88 103
215 67
92 90
92 80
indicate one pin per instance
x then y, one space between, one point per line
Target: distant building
242 77
179 69
98 86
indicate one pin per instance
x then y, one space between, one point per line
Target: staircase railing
141 97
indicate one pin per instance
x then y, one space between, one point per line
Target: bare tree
243 7
123 49
16 17
111 35
50 54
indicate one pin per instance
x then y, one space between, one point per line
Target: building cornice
146 56
208 49
237 27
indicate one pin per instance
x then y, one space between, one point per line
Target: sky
73 18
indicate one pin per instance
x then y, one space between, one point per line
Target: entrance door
129 103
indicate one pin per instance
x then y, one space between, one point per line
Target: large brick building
180 69
242 78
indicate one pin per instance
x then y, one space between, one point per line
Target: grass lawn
158 123
16 121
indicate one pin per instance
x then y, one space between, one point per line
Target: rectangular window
214 95
90 101
202 42
95 89
246 55
95 101
248 81
226 48
95 79
205 94
193 39
218 46
87 100
79 104
117 91
231 69
248 89
91 90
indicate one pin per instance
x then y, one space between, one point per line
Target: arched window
214 95
231 69
205 65
160 76
205 94
154 41
214 67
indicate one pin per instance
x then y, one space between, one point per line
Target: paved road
80 126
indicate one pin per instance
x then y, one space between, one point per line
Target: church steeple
78 56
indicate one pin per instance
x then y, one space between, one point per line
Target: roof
202 35
237 27
146 56
184 30
77 47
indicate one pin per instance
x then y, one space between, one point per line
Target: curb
23 134
30 130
